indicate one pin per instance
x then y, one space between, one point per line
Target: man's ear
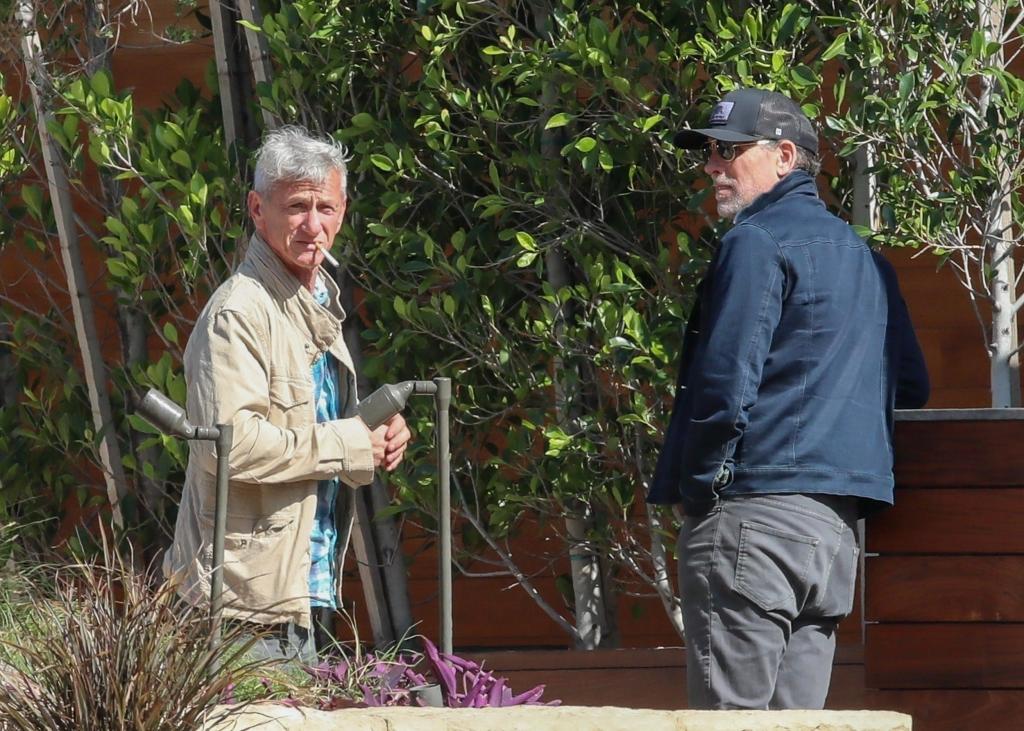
255 204
785 161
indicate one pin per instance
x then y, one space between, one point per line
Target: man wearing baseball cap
797 351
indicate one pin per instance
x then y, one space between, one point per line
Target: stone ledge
553 718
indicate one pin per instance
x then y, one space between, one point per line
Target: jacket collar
797 182
323 324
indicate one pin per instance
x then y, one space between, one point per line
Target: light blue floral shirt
324 537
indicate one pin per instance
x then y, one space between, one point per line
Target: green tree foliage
519 222
935 91
164 220
489 141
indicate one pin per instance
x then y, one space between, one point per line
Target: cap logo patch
721 112
778 131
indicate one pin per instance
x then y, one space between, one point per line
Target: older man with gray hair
267 356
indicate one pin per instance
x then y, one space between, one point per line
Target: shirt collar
797 182
323 321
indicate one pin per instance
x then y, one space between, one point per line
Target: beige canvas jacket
248 363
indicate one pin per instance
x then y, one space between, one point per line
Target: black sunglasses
729 150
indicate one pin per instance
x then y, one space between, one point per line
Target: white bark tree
935 93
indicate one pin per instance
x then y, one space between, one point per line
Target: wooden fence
942 634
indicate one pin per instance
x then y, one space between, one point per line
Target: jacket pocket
286 394
257 560
772 567
242 526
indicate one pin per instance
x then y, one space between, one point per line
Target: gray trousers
289 641
764 581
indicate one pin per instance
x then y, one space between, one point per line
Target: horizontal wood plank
949 710
660 688
944 588
950 521
937 656
959 454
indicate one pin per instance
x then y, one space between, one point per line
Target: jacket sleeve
743 309
904 352
230 381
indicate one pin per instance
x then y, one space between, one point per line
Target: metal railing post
225 432
442 400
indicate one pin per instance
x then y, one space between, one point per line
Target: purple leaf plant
394 682
466 684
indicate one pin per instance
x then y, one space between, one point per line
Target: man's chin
728 208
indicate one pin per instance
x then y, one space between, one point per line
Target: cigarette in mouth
327 255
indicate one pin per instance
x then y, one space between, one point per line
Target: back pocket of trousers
772 566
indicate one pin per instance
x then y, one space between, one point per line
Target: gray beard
729 209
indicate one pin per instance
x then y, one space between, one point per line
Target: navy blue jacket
796 353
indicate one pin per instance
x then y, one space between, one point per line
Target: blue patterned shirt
324 537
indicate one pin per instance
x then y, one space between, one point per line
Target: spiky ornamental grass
95 647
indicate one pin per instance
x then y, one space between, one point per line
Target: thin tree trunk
586 569
233 79
999 243
865 188
259 56
385 583
132 320
662 583
81 301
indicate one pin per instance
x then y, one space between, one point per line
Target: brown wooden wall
656 678
948 329
944 574
944 599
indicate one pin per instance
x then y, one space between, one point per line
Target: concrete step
270 717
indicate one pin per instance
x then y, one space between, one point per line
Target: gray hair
806 160
292 154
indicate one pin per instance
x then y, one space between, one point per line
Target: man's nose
313 221
714 164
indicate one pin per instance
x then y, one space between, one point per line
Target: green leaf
117 227
802 76
118 268
906 85
382 162
526 241
363 120
585 144
33 198
558 120
526 259
651 121
100 83
557 441
171 333
837 48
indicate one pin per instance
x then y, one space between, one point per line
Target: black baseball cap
748 115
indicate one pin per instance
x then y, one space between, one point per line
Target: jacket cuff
357 465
